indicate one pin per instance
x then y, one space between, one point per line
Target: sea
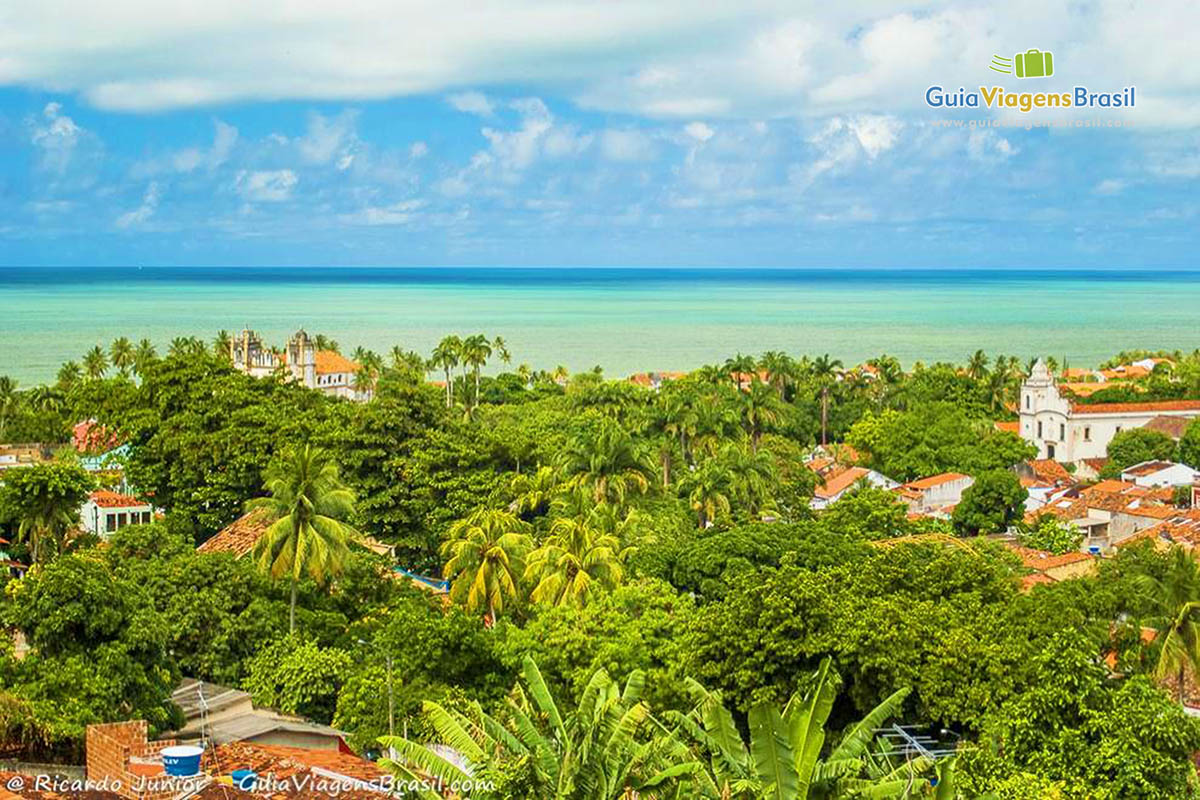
623 320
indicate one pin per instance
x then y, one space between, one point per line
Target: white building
935 493
324 370
105 513
1067 431
1160 474
840 483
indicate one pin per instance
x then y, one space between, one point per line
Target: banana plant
785 758
606 748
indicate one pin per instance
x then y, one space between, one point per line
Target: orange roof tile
239 536
1133 408
107 499
1049 470
935 480
1009 427
329 362
1043 559
840 482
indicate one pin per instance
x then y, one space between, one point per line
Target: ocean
625 320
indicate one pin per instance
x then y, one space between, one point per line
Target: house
937 493
23 455
1067 431
654 380
128 766
324 370
107 512
239 536
89 436
223 715
840 482
1046 567
1160 473
1173 427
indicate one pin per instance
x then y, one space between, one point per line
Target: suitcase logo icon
1033 63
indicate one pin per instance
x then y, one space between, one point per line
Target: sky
613 132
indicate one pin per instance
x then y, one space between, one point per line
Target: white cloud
266 186
418 150
56 137
471 103
189 159
139 215
1109 186
626 144
988 146
698 131
329 137
395 214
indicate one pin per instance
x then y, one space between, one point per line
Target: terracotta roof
329 362
240 535
1033 579
1134 408
1043 559
1171 426
1049 470
1084 389
1009 427
107 499
935 480
284 762
1147 468
1182 528
841 481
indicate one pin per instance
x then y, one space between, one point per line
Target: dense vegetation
636 561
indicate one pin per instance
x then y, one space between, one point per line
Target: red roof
1009 427
107 499
840 482
1133 408
329 362
935 480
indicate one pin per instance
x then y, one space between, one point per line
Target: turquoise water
624 320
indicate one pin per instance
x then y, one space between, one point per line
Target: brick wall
109 748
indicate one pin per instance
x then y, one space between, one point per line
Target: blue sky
617 133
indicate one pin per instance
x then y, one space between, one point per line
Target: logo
1033 63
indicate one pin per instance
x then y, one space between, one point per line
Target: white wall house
1069 432
1160 473
935 492
105 513
842 482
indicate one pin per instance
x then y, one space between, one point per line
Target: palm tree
122 353
780 369
323 342
1174 601
9 401
95 363
221 344
739 368
144 357
69 374
608 461
707 489
485 554
761 410
532 493
46 399
525 373
977 365
183 346
446 356
783 759
716 422
501 348
560 374
751 478
305 509
608 747
476 350
580 557
825 370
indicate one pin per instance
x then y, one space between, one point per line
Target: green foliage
1135 446
99 651
297 676
935 438
1100 739
991 504
1048 532
1189 445
868 512
44 500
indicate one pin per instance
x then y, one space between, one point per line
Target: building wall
946 493
1175 475
94 519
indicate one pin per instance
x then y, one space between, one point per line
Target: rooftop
1171 426
329 362
107 499
1134 408
935 480
841 481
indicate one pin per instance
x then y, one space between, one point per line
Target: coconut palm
122 354
185 346
716 421
825 370
739 368
221 344
786 758
1174 602
144 356
751 477
608 461
446 356
532 493
476 350
485 559
608 747
707 490
501 349
977 365
761 410
780 369
69 374
323 342
9 402
95 363
580 557
306 510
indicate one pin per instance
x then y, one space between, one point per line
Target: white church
324 370
1067 431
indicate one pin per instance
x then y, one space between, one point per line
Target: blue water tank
182 761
